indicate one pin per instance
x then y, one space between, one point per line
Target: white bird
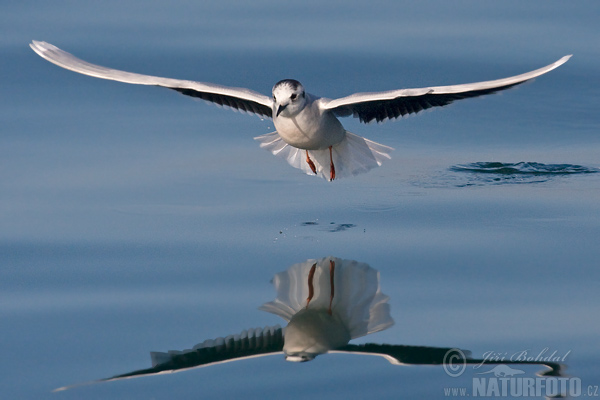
308 134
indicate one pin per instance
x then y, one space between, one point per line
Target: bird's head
289 97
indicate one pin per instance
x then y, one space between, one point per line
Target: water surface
134 219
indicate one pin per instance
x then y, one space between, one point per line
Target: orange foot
310 163
311 289
332 286
331 166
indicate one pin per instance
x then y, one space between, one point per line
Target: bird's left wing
381 106
237 98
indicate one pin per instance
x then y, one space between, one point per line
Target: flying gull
308 134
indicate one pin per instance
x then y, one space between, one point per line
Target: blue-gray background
135 219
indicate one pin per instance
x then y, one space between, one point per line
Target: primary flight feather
308 134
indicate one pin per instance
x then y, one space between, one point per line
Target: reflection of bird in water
326 302
308 134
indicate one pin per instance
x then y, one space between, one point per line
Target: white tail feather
352 156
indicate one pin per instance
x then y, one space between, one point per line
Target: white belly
310 130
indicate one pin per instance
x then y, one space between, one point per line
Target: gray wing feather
237 98
381 106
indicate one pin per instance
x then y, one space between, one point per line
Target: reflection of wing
381 106
248 344
422 355
401 355
237 98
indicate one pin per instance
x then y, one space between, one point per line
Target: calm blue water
134 219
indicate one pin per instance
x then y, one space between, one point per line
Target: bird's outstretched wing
381 106
247 344
237 98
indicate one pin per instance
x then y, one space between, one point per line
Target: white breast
311 128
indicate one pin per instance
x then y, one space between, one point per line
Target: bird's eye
274 99
293 96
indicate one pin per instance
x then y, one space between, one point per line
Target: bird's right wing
239 99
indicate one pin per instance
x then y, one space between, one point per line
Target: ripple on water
331 227
482 173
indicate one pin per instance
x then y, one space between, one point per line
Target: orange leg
331 166
331 273
311 289
310 163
